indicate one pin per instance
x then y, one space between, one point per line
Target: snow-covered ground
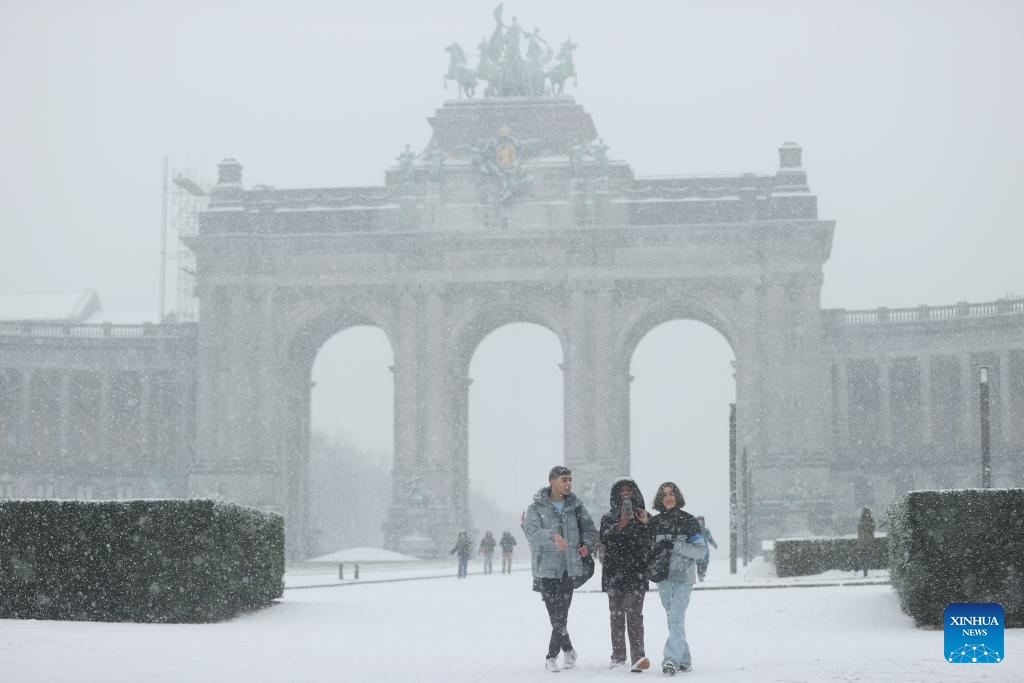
494 628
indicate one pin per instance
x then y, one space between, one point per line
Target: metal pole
732 489
163 246
745 467
986 423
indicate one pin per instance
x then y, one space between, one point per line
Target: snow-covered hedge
958 546
139 560
806 556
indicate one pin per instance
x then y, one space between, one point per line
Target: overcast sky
909 114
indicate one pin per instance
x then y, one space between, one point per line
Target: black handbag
588 560
659 561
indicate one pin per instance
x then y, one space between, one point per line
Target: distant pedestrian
507 542
487 544
682 531
702 564
865 540
624 533
463 546
561 533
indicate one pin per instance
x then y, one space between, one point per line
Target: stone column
1005 399
103 440
775 332
460 478
211 411
26 434
925 365
436 392
408 448
437 401
749 408
884 401
406 388
148 447
65 413
969 393
607 455
269 374
843 401
815 400
576 378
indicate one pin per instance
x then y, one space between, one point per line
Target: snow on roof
364 555
121 317
49 306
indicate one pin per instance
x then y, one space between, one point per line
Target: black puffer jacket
626 551
674 522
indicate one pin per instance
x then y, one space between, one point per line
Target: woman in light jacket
682 530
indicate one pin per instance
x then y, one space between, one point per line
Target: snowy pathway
493 628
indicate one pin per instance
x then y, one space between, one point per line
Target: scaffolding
185 194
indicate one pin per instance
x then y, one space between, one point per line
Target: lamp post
986 456
733 535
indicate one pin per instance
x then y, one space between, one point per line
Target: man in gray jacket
560 532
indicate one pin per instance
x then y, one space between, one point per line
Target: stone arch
717 314
487 315
313 323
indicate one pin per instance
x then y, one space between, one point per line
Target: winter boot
641 665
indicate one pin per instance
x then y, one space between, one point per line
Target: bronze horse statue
562 69
459 72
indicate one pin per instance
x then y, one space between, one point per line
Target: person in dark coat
508 542
487 544
626 540
865 539
463 546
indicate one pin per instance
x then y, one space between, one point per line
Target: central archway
515 422
681 388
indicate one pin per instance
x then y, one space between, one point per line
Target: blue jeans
675 598
463 561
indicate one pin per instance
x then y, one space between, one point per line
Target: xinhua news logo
974 633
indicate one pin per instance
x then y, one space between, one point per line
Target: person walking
865 540
487 544
560 533
624 534
507 542
702 564
681 530
463 546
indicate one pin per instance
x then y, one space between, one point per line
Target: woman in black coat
627 544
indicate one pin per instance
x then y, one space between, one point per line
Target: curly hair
659 505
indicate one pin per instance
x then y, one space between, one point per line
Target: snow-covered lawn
493 628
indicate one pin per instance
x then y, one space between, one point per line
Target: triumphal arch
514 212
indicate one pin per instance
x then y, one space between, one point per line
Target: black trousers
557 596
627 614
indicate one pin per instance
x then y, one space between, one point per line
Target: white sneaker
641 665
569 659
617 664
552 665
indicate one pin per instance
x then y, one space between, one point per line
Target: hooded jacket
543 521
626 551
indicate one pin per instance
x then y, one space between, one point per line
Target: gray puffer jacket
543 521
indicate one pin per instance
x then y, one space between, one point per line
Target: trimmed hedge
958 546
139 560
807 556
